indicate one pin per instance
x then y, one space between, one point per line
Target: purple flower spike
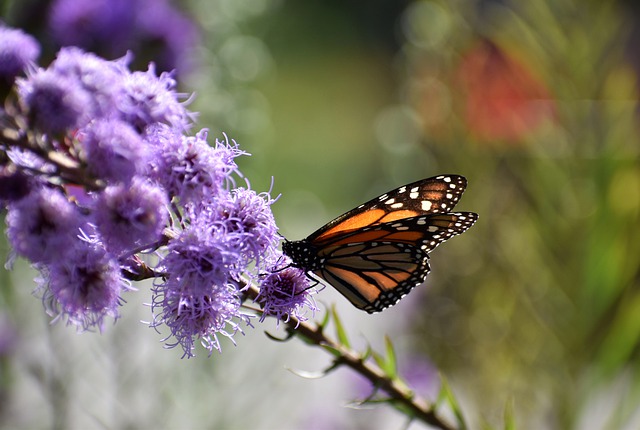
85 287
132 215
43 225
114 151
17 51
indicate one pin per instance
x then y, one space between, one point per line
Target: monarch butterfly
376 253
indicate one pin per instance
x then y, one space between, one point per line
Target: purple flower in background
17 51
285 293
176 35
150 28
84 287
43 225
54 103
421 375
95 25
113 150
131 215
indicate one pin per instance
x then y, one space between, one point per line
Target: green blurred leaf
446 396
340 331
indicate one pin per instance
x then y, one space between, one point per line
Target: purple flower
174 34
285 293
150 99
102 79
113 150
93 24
54 102
84 287
199 297
188 167
247 219
110 27
202 317
43 225
17 51
131 215
200 259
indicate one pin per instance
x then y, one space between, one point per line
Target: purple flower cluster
101 170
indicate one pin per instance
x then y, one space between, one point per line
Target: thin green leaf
509 419
340 331
391 368
447 396
333 351
325 320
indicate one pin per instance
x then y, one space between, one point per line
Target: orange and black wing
438 194
376 266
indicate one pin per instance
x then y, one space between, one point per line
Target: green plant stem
314 334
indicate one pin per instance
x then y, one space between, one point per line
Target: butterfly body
377 252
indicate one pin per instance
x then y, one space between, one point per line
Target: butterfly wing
438 194
374 267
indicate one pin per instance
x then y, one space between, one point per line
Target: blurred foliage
534 314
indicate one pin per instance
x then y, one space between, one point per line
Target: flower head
188 167
84 286
113 150
17 51
150 99
202 317
100 78
247 219
43 225
131 215
285 293
54 102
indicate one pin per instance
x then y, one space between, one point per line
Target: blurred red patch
504 99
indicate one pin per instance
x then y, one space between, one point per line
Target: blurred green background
536 308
